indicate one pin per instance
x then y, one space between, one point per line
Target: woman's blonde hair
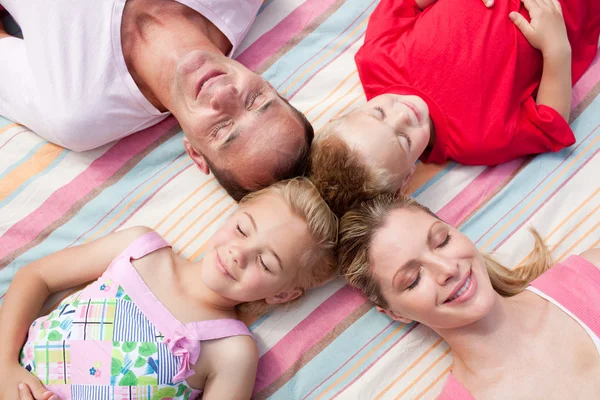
358 227
341 174
318 265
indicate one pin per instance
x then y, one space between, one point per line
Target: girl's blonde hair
358 227
318 265
341 174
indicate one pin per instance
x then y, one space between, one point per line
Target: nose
444 269
226 99
238 256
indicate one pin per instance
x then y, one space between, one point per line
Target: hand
488 3
546 31
19 384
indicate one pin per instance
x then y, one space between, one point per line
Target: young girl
414 267
455 80
155 325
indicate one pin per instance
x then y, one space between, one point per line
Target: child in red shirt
455 80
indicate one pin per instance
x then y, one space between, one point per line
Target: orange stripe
413 383
186 230
432 384
317 62
575 227
331 93
362 360
124 209
193 208
564 170
326 109
7 127
564 221
196 254
38 162
423 173
410 368
595 244
562 256
183 202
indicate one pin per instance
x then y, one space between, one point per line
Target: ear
404 183
394 316
196 156
284 297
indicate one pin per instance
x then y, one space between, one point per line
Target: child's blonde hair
341 174
358 227
318 265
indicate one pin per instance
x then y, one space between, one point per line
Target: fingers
521 23
38 391
488 3
24 392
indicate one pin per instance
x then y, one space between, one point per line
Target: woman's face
429 271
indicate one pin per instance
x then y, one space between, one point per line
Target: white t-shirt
68 81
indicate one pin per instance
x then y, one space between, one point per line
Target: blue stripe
437 177
131 325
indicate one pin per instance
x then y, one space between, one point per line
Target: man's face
233 118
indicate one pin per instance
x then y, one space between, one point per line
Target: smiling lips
414 109
206 79
222 268
464 290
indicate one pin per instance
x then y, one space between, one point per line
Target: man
87 73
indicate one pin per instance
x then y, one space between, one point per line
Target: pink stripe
349 359
586 82
376 360
477 192
537 186
269 43
64 198
305 335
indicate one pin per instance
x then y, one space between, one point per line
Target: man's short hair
296 165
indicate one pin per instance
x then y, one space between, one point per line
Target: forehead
403 235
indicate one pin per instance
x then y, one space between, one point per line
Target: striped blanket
334 345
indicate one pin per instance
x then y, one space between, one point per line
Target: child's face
428 271
391 131
257 253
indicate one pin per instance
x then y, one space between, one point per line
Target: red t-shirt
476 71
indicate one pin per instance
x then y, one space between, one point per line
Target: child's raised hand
546 31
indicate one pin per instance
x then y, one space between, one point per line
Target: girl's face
257 253
429 272
391 131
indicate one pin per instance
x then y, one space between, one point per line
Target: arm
547 33
33 284
235 372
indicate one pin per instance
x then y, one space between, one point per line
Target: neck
485 346
191 283
155 35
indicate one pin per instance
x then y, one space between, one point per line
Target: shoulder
129 235
593 256
238 350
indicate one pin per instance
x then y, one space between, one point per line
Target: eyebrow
253 222
411 263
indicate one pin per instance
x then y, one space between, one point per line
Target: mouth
414 109
223 268
207 79
464 290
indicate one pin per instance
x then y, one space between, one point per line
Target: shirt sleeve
540 129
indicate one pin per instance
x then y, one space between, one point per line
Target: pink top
575 285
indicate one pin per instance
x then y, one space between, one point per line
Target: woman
512 333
